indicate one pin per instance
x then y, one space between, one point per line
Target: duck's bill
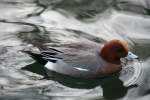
131 56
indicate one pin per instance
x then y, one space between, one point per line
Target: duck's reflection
112 87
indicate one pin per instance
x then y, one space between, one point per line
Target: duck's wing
82 45
79 56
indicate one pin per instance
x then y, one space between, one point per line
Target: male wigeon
83 59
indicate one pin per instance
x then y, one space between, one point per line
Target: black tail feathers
37 57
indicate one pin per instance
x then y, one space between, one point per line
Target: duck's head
113 50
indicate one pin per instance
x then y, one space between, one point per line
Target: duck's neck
112 61
118 62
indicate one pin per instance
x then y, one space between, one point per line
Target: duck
83 59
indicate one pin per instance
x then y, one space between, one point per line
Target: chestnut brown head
114 50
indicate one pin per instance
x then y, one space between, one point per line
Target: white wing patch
50 65
81 69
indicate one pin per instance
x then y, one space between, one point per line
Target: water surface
29 23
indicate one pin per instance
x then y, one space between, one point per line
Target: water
27 23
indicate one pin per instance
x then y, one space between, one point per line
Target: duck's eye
119 50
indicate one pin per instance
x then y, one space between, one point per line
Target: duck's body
81 64
78 59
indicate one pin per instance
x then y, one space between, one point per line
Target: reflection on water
29 23
72 82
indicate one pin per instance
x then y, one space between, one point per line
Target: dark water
29 23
